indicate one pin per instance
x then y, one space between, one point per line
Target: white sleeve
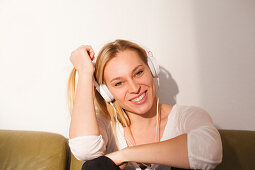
90 147
203 139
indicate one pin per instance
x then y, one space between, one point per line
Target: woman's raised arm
83 117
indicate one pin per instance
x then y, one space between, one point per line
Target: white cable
157 121
158 82
157 111
115 112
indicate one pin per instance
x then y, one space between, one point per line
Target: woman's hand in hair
81 59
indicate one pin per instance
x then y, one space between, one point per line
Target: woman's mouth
141 99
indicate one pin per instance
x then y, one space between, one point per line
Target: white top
203 139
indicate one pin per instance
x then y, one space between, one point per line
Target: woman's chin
140 109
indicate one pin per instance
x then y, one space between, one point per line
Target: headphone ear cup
105 93
153 65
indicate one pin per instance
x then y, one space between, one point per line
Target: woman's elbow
213 159
205 148
87 156
215 148
86 149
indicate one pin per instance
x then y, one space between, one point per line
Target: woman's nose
134 87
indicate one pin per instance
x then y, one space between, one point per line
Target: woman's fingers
82 58
89 50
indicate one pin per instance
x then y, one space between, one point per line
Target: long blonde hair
109 51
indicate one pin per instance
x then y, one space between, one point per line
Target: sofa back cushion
32 150
238 150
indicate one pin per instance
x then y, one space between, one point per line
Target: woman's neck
148 119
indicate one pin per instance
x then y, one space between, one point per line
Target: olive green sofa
30 150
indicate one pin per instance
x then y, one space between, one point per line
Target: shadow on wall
168 88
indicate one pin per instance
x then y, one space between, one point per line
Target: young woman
134 127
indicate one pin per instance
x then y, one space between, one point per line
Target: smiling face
130 81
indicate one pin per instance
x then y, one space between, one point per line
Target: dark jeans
105 163
100 163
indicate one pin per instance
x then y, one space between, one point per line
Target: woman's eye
118 84
139 72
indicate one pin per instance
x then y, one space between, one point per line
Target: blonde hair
109 51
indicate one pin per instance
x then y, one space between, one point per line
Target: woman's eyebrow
116 78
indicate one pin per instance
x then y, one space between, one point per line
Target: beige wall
205 49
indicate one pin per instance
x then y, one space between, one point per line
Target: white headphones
154 68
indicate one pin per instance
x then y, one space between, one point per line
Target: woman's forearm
83 118
172 152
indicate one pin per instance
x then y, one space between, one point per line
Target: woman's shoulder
188 108
178 109
184 112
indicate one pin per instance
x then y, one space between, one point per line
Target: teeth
139 98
